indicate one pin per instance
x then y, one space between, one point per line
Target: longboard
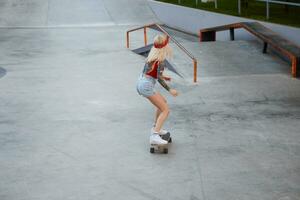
159 148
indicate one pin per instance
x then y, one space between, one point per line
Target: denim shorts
145 86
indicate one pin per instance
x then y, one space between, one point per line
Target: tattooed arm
160 77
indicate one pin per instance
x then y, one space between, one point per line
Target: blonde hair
157 54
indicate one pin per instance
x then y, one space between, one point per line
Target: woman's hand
173 92
166 78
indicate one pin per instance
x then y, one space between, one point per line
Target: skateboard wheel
165 151
152 150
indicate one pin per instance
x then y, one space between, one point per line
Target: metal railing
171 38
268 2
276 2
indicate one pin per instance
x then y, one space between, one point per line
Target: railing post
145 35
231 30
294 66
265 47
268 9
127 39
195 70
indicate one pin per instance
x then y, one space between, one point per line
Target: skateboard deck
162 148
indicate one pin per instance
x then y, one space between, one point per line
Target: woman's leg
157 113
159 102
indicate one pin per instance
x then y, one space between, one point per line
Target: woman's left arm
160 77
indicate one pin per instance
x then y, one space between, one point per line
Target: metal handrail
171 38
276 2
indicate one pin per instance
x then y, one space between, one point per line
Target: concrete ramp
77 12
23 13
36 13
130 11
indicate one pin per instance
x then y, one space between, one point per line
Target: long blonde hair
159 54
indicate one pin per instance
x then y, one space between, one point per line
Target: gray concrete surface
73 127
39 13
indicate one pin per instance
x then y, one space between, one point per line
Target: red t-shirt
153 72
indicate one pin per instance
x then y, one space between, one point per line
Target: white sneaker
161 132
156 139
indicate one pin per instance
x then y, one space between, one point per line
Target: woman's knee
166 110
164 99
160 103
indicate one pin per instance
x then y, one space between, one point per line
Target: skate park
72 125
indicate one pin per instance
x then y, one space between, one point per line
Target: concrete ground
73 127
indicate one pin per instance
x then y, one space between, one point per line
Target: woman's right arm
160 79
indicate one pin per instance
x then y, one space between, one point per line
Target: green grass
279 14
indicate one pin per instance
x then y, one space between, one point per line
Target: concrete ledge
192 20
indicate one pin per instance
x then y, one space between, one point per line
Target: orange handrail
195 63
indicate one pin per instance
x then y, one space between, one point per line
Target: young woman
153 71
